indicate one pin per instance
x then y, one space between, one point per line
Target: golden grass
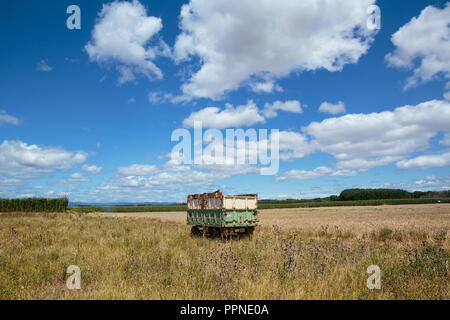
134 258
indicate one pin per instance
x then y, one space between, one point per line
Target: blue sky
89 113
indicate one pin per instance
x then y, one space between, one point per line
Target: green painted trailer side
223 218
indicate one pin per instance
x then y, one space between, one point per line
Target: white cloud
122 34
6 118
137 170
293 145
447 95
316 173
365 164
156 97
445 141
238 40
244 115
426 161
367 140
78 177
425 39
424 184
212 117
265 86
92 169
304 174
447 86
331 108
270 110
360 142
43 66
172 180
17 159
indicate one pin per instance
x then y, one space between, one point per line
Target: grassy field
146 258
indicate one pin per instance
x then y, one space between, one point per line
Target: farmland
355 221
300 253
265 204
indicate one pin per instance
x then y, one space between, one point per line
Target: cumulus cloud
171 180
122 35
212 117
239 155
20 160
92 169
242 40
426 161
6 118
360 142
331 108
368 140
244 115
137 170
270 110
78 177
423 44
43 66
293 145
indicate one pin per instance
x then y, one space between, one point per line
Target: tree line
378 194
34 205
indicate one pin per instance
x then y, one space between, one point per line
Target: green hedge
374 194
84 209
34 205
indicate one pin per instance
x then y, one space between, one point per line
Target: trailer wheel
224 235
195 231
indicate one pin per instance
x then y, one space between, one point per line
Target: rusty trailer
214 214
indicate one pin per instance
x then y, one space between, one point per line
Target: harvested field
428 218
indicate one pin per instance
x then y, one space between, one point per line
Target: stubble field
355 221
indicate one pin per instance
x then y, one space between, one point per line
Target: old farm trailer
214 214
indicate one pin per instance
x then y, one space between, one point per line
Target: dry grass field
295 254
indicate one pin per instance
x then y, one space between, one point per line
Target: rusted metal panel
205 201
216 201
